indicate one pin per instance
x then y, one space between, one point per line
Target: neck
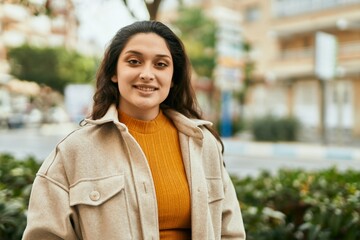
140 114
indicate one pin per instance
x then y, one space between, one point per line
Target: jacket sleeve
232 222
49 214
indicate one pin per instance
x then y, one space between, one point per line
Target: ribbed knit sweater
159 141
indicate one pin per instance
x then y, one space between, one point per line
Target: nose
147 74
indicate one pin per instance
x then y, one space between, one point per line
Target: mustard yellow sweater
159 140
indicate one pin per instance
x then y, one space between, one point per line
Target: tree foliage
54 67
199 35
16 178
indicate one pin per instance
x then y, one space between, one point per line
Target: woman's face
144 72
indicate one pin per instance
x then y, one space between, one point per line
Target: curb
290 150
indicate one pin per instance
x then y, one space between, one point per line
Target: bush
270 128
301 205
292 204
16 179
237 126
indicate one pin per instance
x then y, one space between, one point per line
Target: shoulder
180 118
81 151
188 126
81 140
87 134
66 146
211 145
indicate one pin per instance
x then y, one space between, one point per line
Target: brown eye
161 64
133 62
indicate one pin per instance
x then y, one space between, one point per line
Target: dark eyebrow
140 54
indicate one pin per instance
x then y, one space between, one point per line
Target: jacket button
94 195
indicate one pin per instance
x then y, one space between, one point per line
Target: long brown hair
181 96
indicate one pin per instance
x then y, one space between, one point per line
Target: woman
144 166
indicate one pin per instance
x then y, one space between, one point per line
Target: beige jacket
97 184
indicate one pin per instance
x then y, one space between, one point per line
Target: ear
114 79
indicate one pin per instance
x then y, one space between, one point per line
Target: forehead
148 42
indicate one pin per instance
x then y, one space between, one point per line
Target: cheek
120 83
123 77
122 86
168 76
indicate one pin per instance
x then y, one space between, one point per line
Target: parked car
16 120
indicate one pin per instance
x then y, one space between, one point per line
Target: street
31 141
40 142
242 166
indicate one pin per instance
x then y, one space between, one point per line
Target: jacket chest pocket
94 192
102 207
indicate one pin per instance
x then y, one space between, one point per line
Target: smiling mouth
146 89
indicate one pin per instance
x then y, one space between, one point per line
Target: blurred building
39 23
43 23
227 73
282 36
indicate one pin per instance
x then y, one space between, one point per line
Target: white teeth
146 89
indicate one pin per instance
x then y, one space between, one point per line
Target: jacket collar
190 127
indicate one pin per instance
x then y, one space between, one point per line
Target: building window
252 14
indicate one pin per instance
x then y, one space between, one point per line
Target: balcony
296 54
349 50
345 51
285 8
293 63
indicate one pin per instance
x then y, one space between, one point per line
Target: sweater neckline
142 126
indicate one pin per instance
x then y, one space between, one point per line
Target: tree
199 35
54 67
152 7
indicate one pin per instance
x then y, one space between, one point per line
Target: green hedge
291 204
271 128
16 177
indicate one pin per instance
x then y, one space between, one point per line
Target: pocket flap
215 189
95 191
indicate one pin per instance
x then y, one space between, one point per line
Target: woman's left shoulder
209 138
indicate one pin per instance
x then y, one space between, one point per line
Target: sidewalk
295 150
